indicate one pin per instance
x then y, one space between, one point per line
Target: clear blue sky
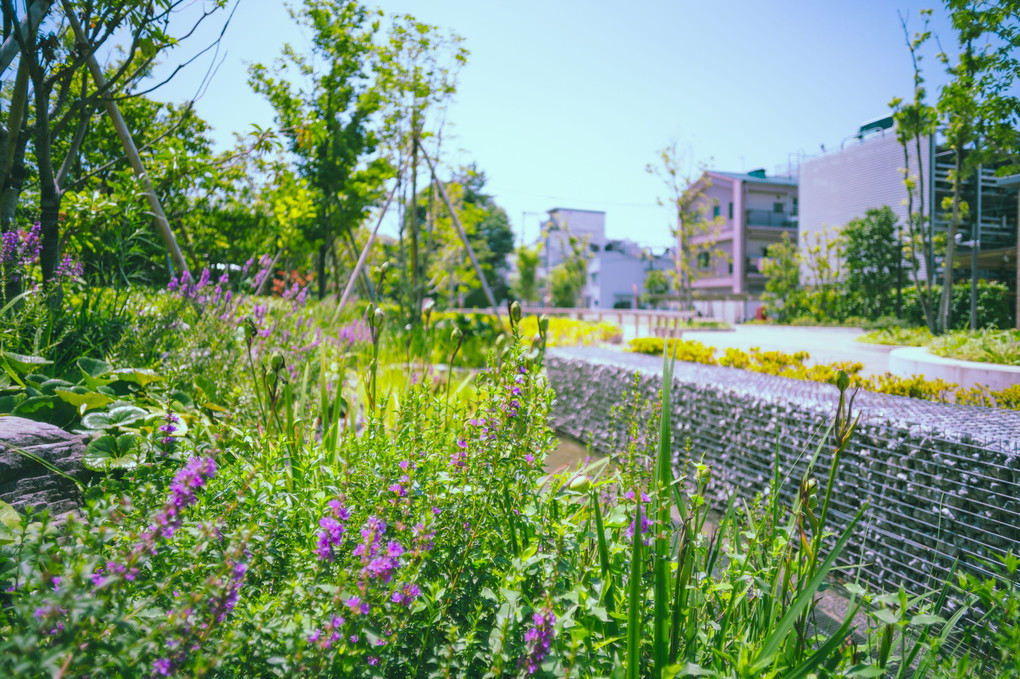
563 103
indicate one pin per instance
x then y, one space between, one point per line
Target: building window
731 210
795 206
703 260
777 208
715 210
594 278
731 267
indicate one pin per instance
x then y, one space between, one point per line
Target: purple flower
329 538
162 667
69 269
398 490
339 510
357 605
538 639
31 245
168 428
191 478
203 280
9 248
381 568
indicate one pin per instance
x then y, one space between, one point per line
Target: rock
24 482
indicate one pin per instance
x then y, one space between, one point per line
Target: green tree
657 284
451 276
978 106
328 121
418 66
784 299
915 123
494 238
54 96
525 286
695 232
871 255
568 278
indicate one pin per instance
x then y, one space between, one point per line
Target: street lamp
975 245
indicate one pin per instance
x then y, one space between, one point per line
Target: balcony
755 266
773 219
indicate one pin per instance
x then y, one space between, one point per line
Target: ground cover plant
349 529
982 346
796 366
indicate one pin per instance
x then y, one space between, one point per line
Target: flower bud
515 312
581 484
276 362
456 337
842 380
379 317
543 324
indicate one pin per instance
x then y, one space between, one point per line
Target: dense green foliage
261 511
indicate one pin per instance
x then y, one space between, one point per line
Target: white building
616 268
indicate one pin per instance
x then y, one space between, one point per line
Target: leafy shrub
993 306
991 346
906 337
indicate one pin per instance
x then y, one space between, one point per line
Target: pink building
754 212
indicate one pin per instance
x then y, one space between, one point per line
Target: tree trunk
15 181
415 307
321 270
947 276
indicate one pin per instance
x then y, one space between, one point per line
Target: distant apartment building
616 268
753 211
867 172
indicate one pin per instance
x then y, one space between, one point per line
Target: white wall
845 184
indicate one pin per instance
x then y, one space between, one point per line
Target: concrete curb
907 361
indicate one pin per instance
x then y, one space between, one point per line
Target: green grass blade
663 492
608 584
771 646
828 648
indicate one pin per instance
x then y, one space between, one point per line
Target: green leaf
208 386
121 416
112 452
9 516
92 367
34 405
139 376
50 386
927 619
886 616
90 399
25 364
771 647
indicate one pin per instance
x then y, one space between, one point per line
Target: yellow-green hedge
793 365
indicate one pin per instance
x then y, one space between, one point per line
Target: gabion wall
941 481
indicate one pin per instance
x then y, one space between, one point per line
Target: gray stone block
24 481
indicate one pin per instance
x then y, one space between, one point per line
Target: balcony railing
755 265
770 218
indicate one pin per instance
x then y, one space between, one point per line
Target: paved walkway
825 345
